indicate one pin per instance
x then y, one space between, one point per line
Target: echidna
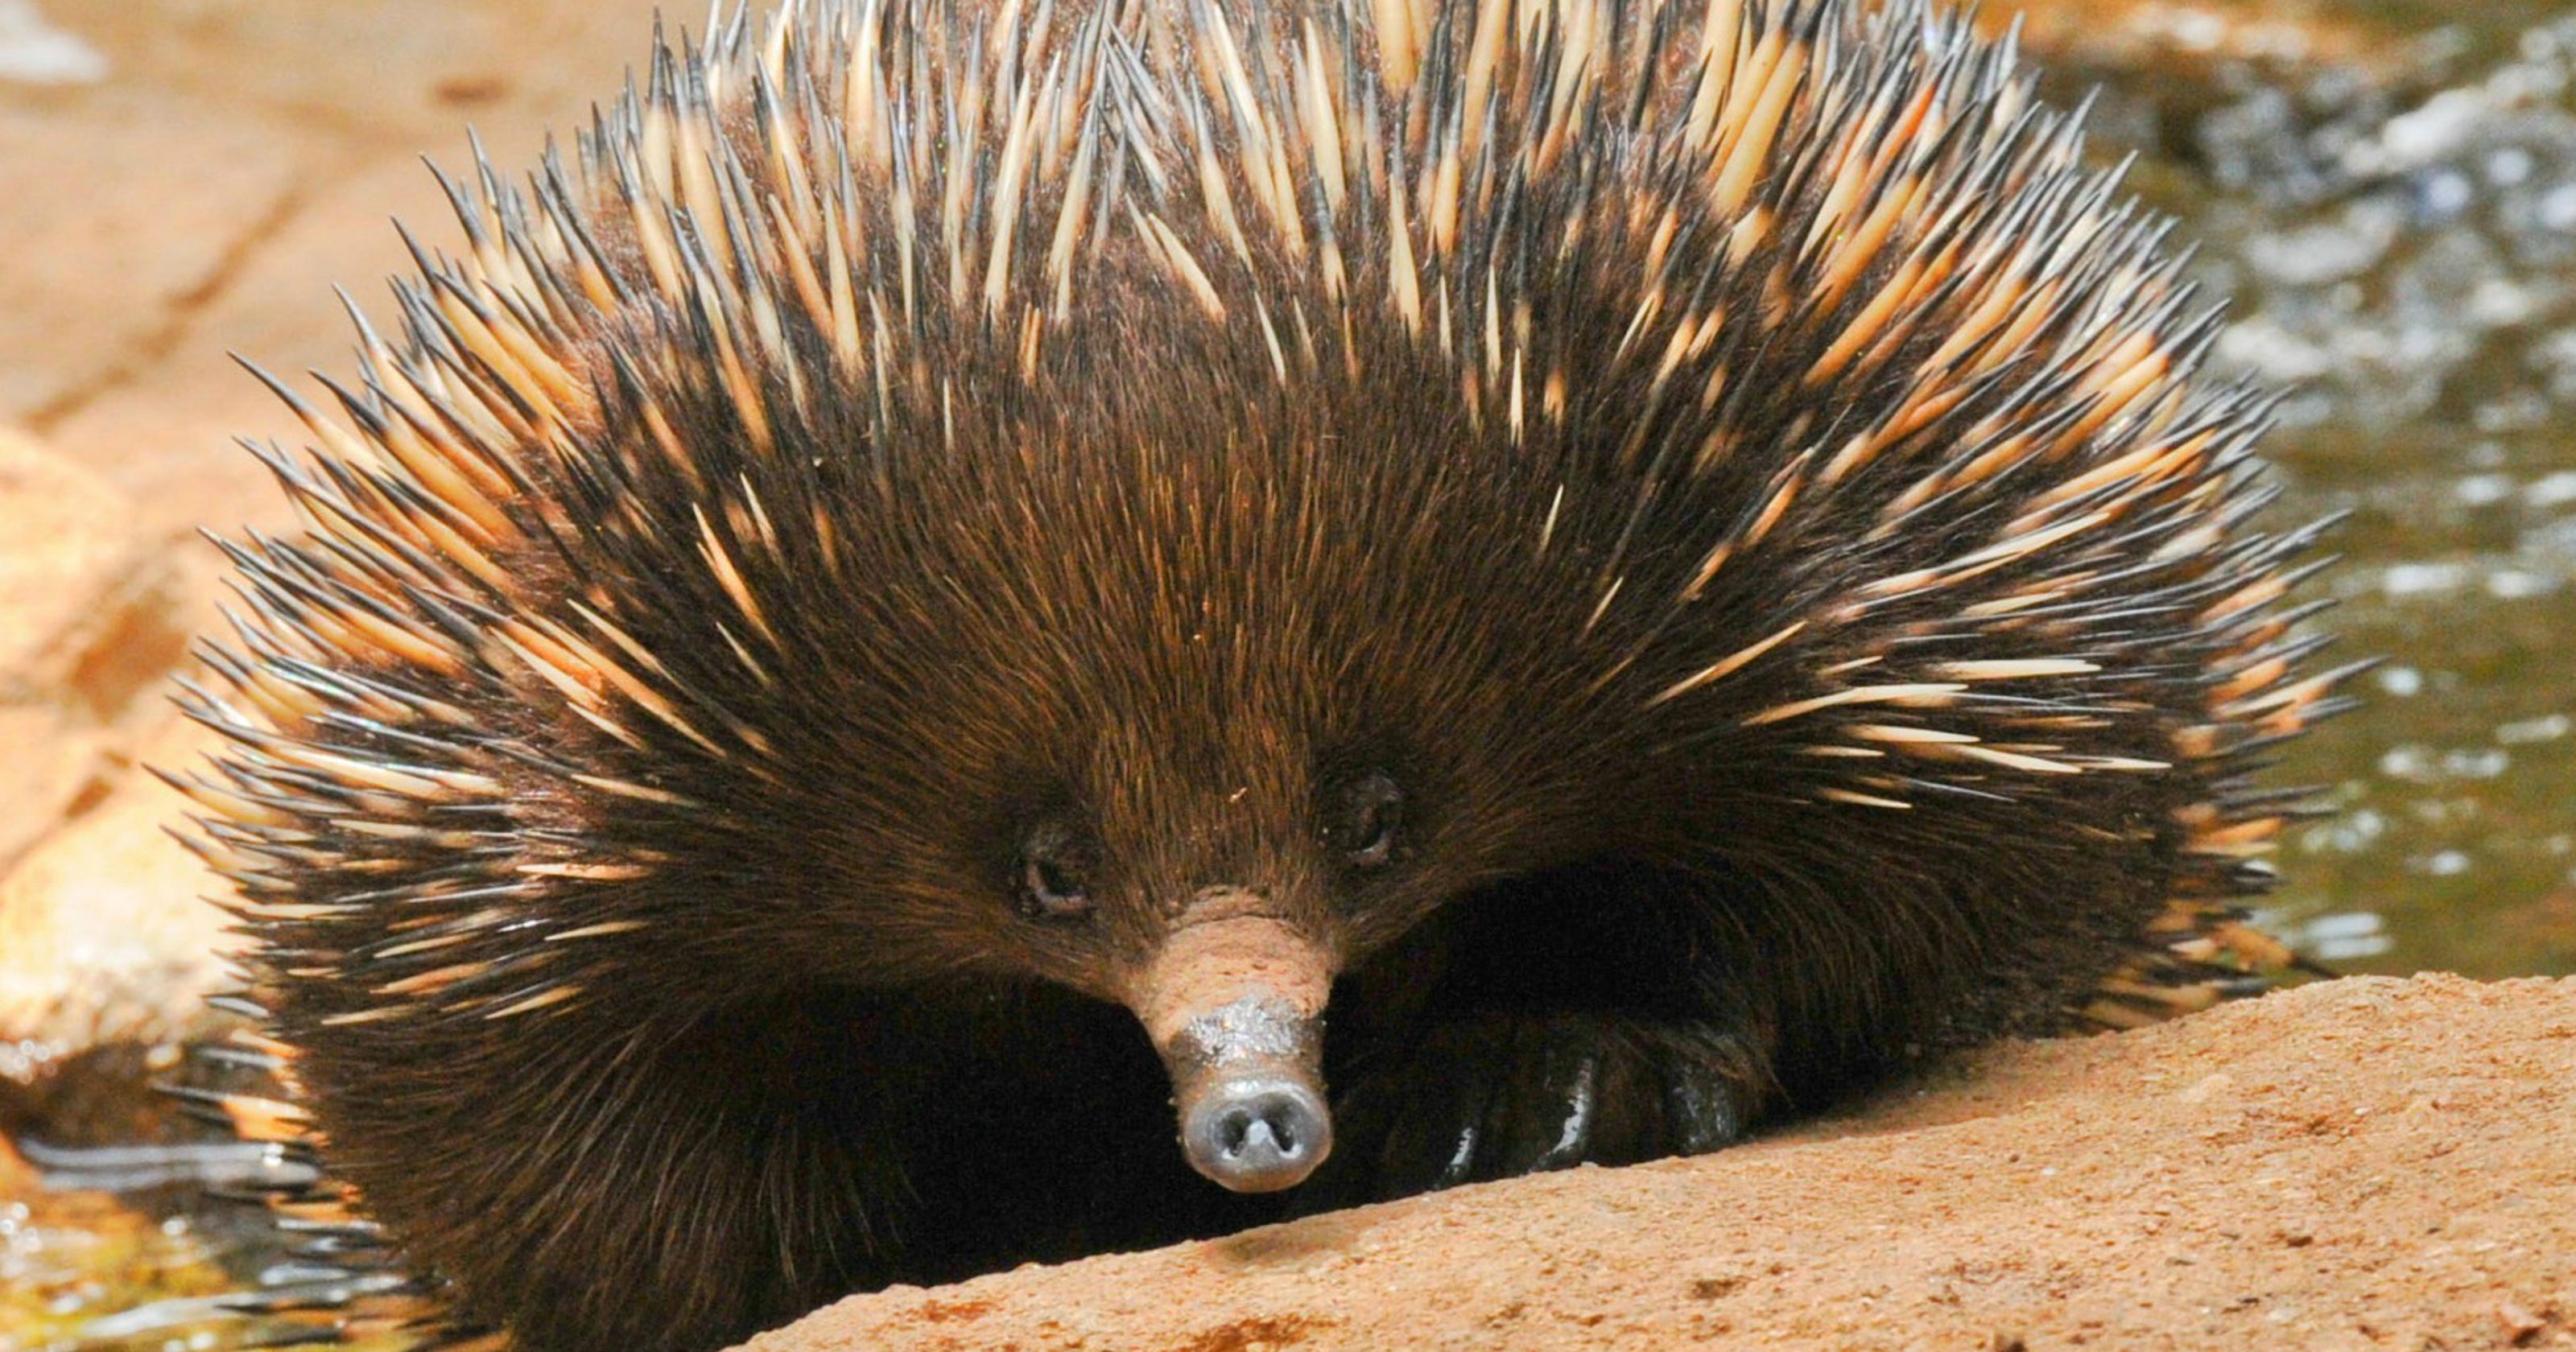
1462 587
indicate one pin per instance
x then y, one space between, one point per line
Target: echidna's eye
1052 880
1367 821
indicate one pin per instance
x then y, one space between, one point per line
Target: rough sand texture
2368 1163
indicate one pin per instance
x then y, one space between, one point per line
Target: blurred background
2385 189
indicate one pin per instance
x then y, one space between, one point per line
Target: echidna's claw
1497 1095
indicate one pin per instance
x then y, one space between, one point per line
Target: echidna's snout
1257 1135
1235 1002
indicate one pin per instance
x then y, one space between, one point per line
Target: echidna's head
1187 708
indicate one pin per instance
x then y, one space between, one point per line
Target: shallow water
2402 255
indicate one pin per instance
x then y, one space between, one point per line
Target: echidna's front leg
1492 1095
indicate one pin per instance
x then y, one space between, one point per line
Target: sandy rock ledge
2367 1163
102 934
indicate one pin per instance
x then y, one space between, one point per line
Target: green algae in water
2401 256
68 1258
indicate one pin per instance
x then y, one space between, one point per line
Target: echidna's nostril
1257 1137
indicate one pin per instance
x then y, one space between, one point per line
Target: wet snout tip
1258 1135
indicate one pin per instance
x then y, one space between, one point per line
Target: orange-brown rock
99 927
2368 1163
85 629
